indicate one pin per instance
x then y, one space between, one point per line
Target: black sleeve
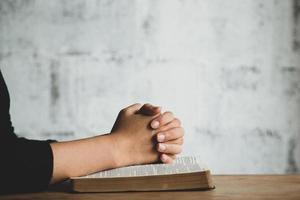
25 165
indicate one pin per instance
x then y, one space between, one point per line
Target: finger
176 141
132 108
162 120
175 123
169 148
167 158
171 134
150 110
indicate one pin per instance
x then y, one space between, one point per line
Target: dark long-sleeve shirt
25 165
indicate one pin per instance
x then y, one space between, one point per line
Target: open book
185 173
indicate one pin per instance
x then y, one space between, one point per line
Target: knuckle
137 104
177 121
159 118
177 132
181 131
127 110
147 104
170 134
181 140
123 111
174 124
168 113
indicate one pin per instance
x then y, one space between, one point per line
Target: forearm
81 157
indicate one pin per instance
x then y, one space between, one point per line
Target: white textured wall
230 70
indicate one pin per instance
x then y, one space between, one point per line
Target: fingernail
163 158
155 124
161 137
162 147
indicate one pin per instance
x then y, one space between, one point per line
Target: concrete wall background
230 70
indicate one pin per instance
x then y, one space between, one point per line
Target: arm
39 161
129 143
81 157
132 141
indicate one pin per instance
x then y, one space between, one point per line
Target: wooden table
227 187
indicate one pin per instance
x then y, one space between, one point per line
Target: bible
185 173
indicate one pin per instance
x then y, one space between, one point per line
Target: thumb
133 108
150 110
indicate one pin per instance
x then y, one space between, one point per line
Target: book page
186 164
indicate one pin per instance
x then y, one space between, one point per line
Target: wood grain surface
227 187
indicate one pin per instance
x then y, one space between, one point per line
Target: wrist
106 145
115 149
119 151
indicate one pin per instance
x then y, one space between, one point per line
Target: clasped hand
142 134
